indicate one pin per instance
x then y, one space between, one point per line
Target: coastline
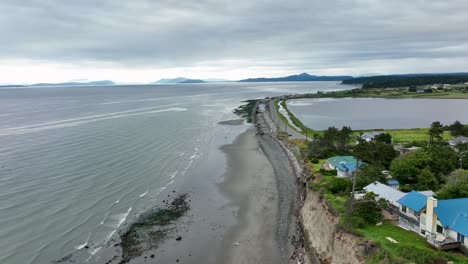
256 221
262 179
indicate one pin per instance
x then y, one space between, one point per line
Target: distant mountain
303 77
174 80
193 81
105 82
187 80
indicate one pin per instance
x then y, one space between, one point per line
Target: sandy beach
261 182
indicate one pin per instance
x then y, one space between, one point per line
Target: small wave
123 217
144 194
109 236
182 154
81 246
116 202
173 174
193 156
94 251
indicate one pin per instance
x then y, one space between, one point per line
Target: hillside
303 77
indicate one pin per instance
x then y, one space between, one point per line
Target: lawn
410 247
413 134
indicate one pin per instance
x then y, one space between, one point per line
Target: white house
444 223
369 136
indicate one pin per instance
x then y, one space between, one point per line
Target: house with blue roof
444 223
345 166
411 206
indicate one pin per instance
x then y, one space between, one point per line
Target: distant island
303 77
186 80
93 83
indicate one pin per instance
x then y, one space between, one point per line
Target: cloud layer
234 38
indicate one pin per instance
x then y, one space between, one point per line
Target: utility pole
351 209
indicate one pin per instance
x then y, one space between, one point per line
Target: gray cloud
302 35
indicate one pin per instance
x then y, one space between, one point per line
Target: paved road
273 114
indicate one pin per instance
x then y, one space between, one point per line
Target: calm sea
77 164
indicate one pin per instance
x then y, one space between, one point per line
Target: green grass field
411 248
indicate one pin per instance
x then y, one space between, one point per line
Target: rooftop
384 191
343 160
414 200
371 134
453 214
392 182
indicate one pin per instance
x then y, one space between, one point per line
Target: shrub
339 185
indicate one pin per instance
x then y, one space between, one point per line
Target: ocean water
78 164
375 113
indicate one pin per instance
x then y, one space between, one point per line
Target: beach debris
379 224
392 240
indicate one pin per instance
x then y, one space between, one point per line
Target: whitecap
81 246
143 194
94 251
109 236
123 217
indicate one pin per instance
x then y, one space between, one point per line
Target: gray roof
457 140
386 192
371 134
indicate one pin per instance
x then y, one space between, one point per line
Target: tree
344 136
443 160
406 168
427 180
366 211
369 174
435 132
339 185
384 138
375 153
453 191
457 176
330 136
457 129
462 149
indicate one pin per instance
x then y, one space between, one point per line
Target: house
458 140
394 184
369 136
345 166
386 192
444 223
412 205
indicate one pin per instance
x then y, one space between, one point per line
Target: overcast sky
144 40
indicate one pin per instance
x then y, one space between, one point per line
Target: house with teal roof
345 166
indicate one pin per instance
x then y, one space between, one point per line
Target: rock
237 244
86 246
179 238
152 256
177 260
